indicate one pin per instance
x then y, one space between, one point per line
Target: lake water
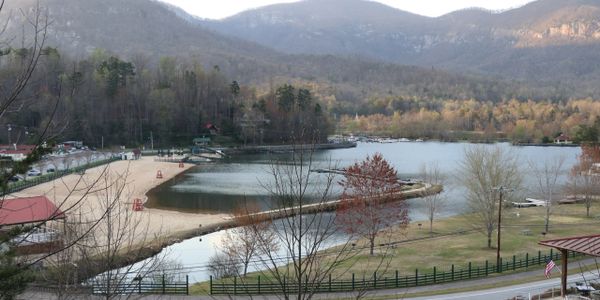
221 187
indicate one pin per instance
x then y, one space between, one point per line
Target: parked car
34 172
50 170
15 178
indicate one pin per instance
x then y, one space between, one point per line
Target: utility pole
501 189
499 226
151 141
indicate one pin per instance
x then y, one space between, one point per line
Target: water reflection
223 187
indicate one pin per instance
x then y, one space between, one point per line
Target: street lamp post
9 130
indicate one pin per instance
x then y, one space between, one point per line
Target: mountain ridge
466 40
151 30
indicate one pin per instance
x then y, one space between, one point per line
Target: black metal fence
21 185
258 285
143 286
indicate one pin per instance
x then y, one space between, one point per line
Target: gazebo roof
28 210
589 244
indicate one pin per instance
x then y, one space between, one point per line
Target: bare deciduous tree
118 240
546 178
222 265
240 243
433 202
484 173
293 248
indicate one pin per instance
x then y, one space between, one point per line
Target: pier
310 208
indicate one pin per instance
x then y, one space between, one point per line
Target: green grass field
456 241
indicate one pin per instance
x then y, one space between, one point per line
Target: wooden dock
270 215
288 148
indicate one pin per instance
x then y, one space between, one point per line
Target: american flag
549 268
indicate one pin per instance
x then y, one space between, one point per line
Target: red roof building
16 152
28 210
17 147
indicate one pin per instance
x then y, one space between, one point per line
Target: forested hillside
104 99
124 71
450 120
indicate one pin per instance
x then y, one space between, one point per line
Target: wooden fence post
306 285
539 257
353 282
163 284
514 262
210 285
375 279
526 260
416 277
235 285
396 278
452 272
434 273
486 267
187 284
259 284
329 282
470 270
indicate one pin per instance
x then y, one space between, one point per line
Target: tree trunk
430 226
372 246
489 241
587 209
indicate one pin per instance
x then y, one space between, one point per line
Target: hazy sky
217 9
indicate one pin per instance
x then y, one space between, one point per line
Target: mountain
128 28
147 29
543 40
328 27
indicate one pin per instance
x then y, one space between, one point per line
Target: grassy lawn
456 241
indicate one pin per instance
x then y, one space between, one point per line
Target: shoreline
141 178
164 227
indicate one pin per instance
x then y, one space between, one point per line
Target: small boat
530 202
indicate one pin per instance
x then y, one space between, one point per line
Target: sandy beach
82 195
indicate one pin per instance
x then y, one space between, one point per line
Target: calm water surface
221 187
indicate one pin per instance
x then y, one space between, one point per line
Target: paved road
526 290
502 293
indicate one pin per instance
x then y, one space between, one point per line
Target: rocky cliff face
579 24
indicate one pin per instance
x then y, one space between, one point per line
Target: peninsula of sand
84 194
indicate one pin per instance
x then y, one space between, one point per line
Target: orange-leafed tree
585 175
371 201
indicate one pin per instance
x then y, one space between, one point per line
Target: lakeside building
36 211
16 152
563 139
